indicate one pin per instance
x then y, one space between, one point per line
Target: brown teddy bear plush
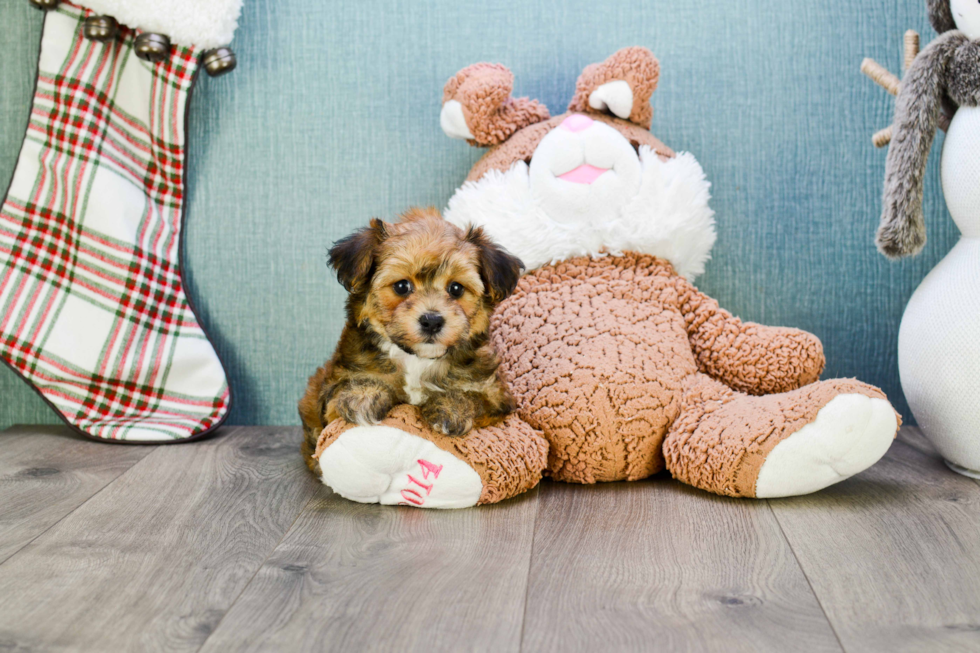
619 365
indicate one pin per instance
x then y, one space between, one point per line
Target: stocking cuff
201 23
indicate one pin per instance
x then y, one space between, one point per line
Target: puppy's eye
456 290
403 287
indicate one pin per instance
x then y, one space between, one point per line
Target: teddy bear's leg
401 461
777 445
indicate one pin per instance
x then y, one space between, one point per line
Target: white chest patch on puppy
416 371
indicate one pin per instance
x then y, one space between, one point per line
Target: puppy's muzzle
431 323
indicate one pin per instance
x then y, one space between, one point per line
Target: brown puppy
421 294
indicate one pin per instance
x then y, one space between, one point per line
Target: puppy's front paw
364 405
447 417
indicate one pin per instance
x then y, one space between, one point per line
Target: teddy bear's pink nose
576 122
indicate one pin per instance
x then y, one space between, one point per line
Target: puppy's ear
353 257
499 270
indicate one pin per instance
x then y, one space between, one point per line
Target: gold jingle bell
100 28
219 61
152 47
45 4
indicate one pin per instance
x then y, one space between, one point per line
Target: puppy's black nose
431 323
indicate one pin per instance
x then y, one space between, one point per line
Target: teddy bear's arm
745 356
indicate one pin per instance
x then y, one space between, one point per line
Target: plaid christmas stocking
92 306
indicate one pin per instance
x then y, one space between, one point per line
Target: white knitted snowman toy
939 340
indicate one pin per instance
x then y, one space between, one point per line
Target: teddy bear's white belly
961 170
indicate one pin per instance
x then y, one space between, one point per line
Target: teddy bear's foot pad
850 434
383 464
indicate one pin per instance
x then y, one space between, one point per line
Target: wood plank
48 471
655 565
155 560
914 437
353 577
893 554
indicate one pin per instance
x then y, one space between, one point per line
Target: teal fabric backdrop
332 117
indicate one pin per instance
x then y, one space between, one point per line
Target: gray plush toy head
941 16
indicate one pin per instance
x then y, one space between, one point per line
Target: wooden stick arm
880 75
882 138
911 47
893 84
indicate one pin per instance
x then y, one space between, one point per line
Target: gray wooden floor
229 544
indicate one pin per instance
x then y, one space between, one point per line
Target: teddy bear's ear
477 106
620 85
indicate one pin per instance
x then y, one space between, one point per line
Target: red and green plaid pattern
92 306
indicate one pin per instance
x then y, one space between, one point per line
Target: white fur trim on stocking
204 23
